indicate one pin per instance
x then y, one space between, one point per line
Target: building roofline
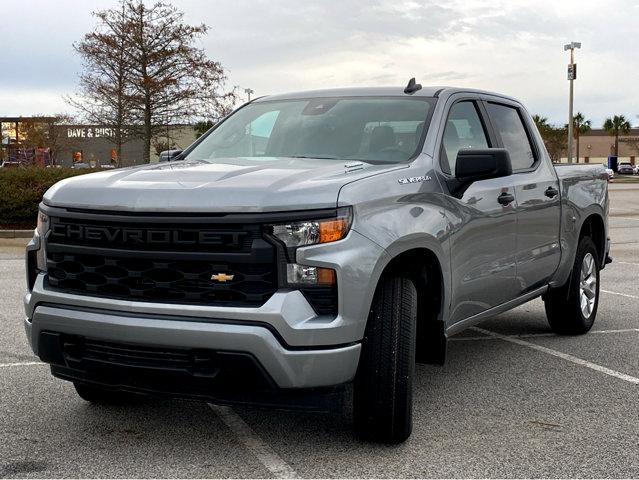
27 119
634 132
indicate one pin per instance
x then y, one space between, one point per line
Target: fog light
305 275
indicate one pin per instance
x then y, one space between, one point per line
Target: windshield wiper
313 157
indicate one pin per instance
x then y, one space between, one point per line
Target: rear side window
510 127
463 130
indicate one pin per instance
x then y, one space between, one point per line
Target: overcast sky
274 46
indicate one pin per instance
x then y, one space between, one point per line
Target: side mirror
168 155
473 165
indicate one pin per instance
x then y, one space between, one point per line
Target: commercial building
93 144
596 145
39 140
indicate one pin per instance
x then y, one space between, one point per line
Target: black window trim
491 137
525 124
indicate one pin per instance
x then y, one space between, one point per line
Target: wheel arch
594 227
424 268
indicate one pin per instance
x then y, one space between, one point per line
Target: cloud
274 46
445 76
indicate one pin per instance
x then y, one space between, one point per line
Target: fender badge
405 181
222 277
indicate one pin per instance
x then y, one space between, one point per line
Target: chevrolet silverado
311 244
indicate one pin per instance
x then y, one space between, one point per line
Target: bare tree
172 80
105 86
45 132
225 108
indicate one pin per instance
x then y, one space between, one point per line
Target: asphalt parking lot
513 400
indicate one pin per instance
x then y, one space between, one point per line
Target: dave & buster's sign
90 132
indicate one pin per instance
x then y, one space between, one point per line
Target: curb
16 233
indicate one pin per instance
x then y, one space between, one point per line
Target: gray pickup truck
312 244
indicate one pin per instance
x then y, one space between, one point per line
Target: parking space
513 400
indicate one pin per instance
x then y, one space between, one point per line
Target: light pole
572 75
248 91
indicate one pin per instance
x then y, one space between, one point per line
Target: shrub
21 191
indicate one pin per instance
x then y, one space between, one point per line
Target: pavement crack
545 425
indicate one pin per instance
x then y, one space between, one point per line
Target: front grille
227 265
169 369
131 355
155 280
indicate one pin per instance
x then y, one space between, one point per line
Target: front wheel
572 308
383 393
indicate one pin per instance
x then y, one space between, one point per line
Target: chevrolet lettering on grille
145 236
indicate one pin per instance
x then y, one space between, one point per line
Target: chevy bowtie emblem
221 277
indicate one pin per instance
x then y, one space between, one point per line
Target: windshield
371 129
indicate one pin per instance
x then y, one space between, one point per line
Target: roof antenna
412 87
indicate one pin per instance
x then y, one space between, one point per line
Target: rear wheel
102 396
383 392
572 308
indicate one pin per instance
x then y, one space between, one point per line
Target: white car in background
626 168
609 171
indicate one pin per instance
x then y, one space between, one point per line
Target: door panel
537 191
483 249
538 224
483 237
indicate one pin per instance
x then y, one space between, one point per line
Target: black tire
383 390
564 304
102 396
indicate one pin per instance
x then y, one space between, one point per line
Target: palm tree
541 123
580 126
554 137
615 126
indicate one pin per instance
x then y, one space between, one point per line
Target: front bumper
296 347
289 368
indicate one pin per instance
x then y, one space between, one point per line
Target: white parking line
534 335
20 364
245 434
620 294
627 263
565 356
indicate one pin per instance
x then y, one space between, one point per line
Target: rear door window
509 125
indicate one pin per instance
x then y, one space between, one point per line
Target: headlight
312 232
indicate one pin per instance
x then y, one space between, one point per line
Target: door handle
506 198
551 192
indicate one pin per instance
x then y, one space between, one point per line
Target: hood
229 185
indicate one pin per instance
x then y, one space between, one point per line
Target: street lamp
248 91
572 75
